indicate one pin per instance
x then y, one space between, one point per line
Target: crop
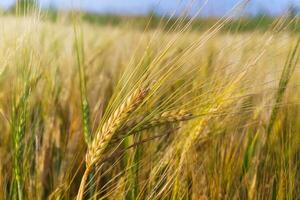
116 112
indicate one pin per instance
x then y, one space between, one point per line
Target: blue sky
212 7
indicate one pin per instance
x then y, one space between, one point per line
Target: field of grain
115 112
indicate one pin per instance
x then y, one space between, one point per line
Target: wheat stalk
103 137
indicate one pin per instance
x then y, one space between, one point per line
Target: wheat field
116 112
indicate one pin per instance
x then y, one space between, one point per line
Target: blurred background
167 7
242 15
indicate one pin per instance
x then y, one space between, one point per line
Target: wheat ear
103 137
168 117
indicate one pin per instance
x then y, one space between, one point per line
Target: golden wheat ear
168 117
109 128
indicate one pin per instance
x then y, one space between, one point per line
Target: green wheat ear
18 133
18 127
85 108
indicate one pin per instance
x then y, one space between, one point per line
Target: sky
137 7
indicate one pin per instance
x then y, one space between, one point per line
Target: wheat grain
100 142
112 125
